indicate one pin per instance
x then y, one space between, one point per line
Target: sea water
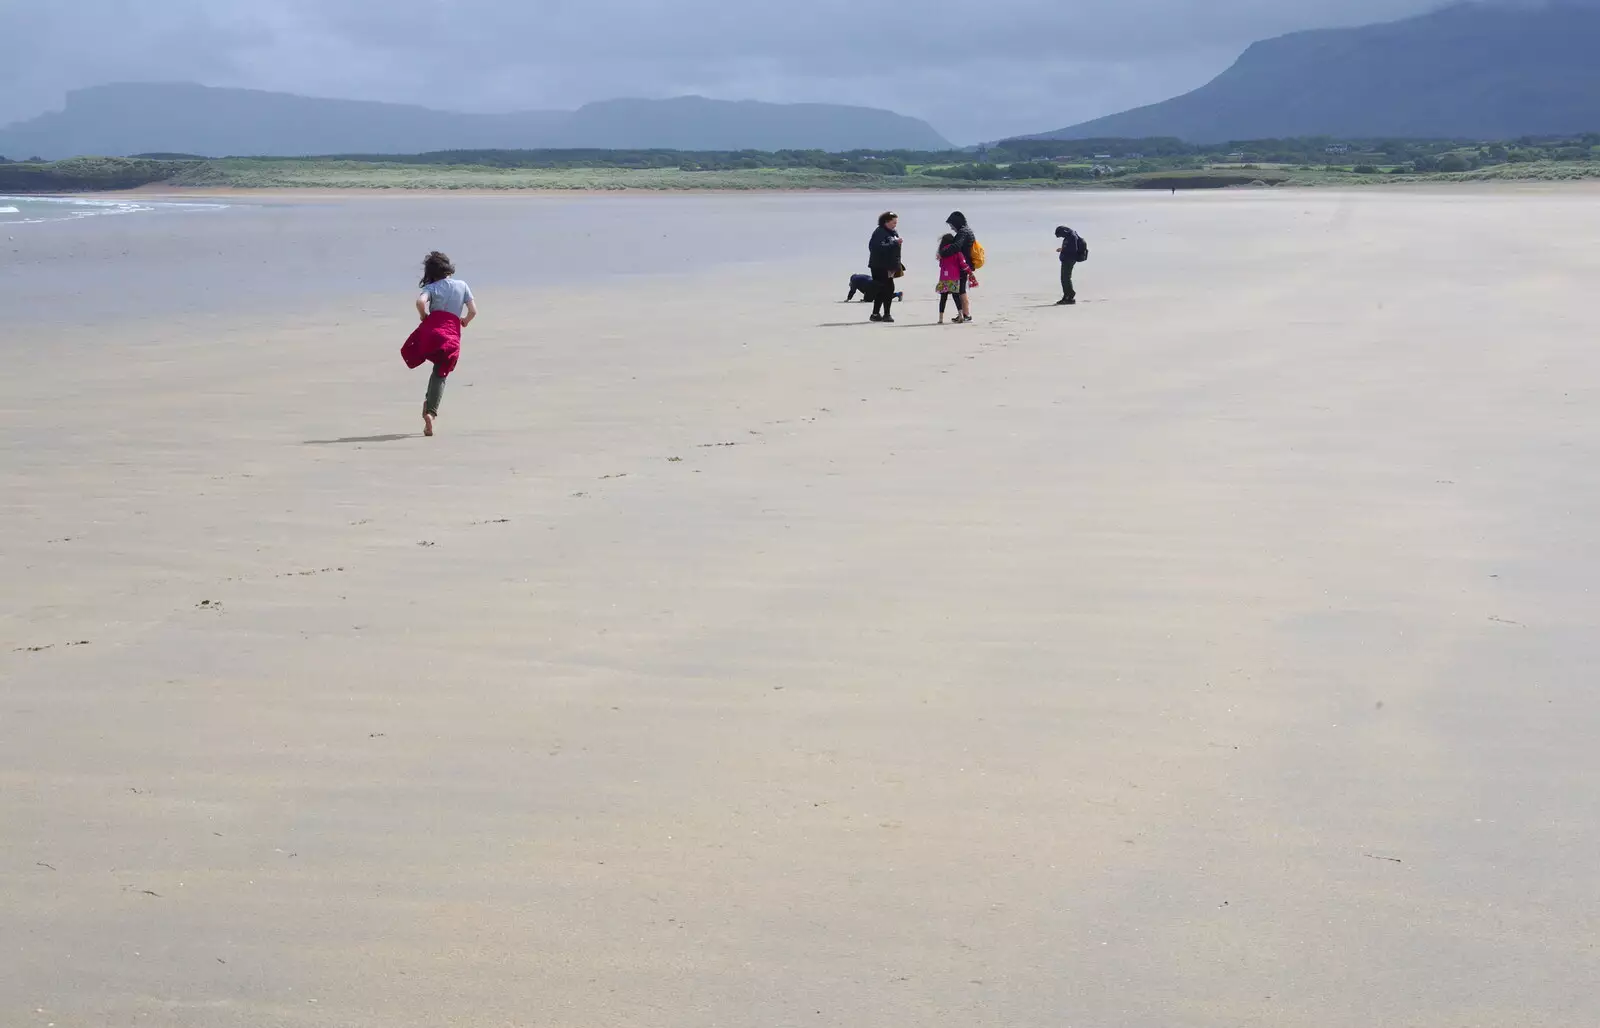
31 210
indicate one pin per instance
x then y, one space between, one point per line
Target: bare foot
427 424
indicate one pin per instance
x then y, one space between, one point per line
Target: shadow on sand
360 439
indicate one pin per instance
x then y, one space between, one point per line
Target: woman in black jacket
962 243
883 257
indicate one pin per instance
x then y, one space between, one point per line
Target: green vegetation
859 162
1014 164
85 174
1017 171
274 174
1219 178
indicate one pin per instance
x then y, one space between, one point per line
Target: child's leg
944 298
430 402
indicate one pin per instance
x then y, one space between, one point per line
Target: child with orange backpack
954 273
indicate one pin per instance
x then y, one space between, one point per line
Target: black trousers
883 292
1067 291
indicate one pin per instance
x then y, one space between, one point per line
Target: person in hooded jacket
962 244
883 257
1069 251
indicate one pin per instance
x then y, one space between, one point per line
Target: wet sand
1218 652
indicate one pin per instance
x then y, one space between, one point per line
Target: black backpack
1083 249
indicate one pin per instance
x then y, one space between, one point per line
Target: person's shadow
395 438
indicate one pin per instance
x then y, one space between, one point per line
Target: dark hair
956 220
886 217
948 238
436 267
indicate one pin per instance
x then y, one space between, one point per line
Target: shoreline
376 192
434 192
625 172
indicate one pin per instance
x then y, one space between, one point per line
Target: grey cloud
975 68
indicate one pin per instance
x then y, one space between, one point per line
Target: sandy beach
1219 652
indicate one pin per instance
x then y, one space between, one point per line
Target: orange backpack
977 255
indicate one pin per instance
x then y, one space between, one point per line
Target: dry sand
1219 652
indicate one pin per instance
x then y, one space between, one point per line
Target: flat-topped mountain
129 118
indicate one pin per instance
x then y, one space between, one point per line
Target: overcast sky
975 69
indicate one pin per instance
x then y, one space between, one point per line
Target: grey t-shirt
448 294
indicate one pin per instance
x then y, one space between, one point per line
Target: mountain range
132 118
1488 69
1469 71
